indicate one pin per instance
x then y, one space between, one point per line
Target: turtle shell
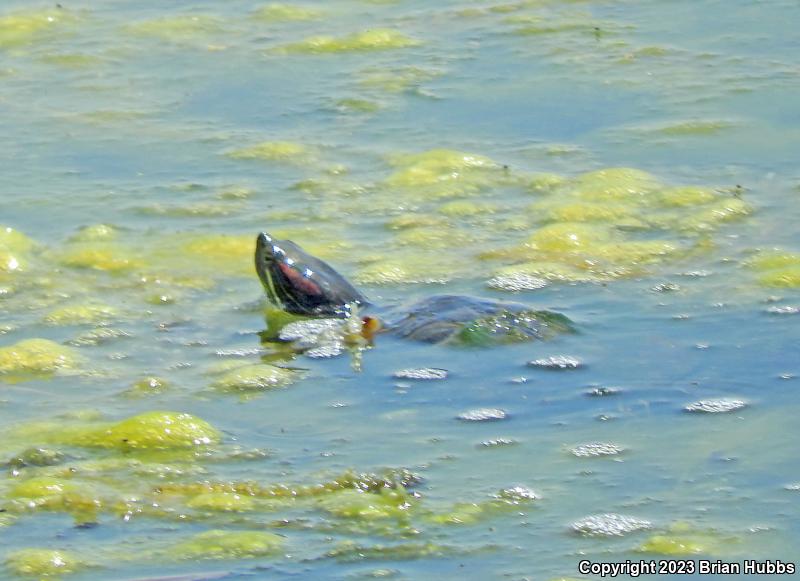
474 321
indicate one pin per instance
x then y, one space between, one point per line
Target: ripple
515 282
421 373
517 494
716 406
498 443
595 449
557 363
603 391
609 525
482 415
787 310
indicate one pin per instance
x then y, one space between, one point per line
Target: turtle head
299 283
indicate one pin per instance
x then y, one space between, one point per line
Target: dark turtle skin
301 284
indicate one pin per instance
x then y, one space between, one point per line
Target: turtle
301 284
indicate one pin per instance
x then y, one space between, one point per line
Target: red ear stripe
299 281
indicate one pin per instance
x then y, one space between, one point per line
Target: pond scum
431 215
159 465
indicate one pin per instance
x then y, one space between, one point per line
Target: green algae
14 240
615 184
396 80
42 488
36 457
87 314
220 544
194 210
260 377
414 220
72 60
23 28
584 212
428 238
615 222
673 545
285 151
357 504
99 256
781 278
350 551
222 502
370 40
569 236
543 182
466 208
37 357
353 105
56 495
698 127
719 212
440 167
158 430
397 271
777 269
686 196
44 563
148 386
467 513
94 233
285 13
682 539
221 253
14 249
235 193
509 327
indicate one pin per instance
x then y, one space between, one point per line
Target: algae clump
103 257
357 105
777 269
350 551
147 386
229 254
218 544
370 40
81 315
25 27
456 170
43 562
357 504
285 13
699 127
156 430
465 209
13 249
221 502
94 233
672 545
616 184
37 356
271 151
255 378
41 488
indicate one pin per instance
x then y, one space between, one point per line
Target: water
108 120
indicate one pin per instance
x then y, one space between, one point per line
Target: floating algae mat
616 165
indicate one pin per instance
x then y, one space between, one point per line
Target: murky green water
639 157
